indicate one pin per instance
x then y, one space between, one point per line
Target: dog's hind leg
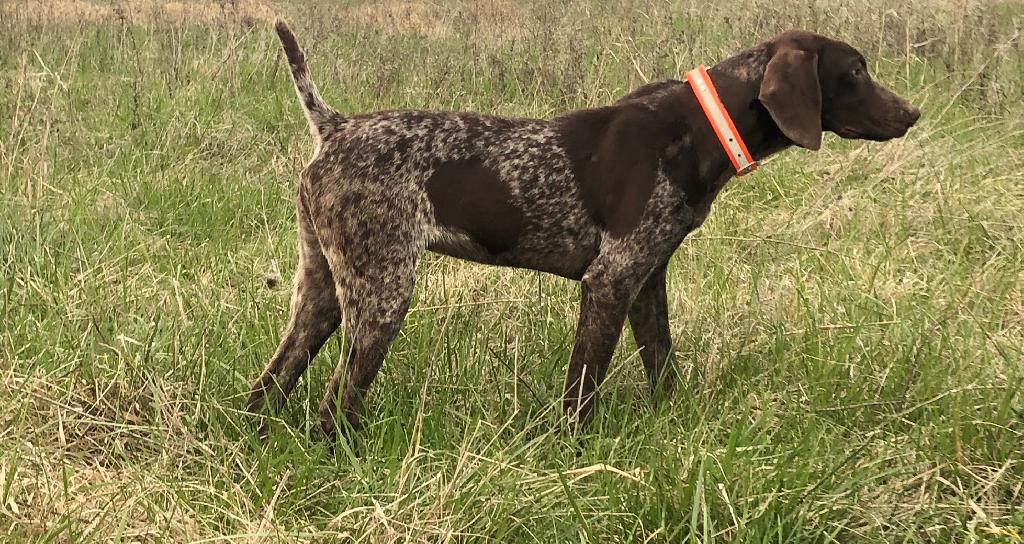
375 275
315 315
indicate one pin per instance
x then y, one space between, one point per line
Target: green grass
850 322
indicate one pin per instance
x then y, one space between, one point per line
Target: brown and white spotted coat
601 195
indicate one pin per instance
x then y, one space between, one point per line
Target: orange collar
719 118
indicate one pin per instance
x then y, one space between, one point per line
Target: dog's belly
565 253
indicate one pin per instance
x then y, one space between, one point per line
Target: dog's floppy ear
792 95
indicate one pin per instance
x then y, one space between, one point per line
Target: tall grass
850 322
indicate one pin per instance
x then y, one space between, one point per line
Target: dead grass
850 321
75 12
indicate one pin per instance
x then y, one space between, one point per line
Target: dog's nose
914 114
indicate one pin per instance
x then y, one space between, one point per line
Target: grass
851 322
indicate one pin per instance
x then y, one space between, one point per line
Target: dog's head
813 83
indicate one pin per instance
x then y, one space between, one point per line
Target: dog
600 195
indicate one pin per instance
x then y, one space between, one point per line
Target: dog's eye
858 72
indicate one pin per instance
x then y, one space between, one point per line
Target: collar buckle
750 167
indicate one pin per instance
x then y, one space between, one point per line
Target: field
850 323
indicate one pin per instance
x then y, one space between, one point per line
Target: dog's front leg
648 317
605 298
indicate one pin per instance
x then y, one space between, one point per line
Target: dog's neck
738 81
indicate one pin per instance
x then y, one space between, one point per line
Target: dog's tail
317 111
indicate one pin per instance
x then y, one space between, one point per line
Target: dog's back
484 188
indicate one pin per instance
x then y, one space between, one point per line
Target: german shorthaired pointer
602 195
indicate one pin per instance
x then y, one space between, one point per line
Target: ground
850 322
